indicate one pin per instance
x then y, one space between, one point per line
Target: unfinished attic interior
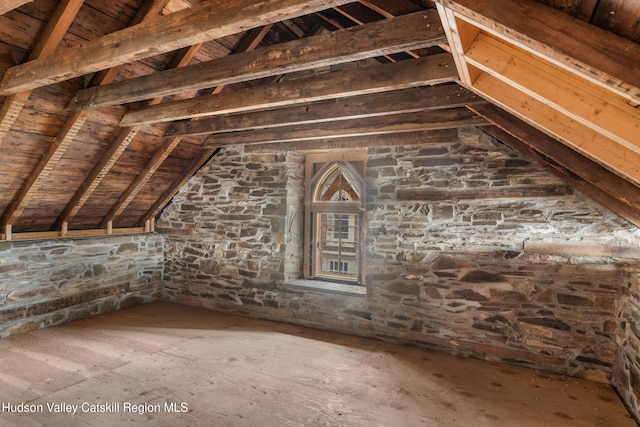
303 212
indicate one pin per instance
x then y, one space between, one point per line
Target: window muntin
338 246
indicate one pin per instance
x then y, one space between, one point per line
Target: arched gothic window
335 196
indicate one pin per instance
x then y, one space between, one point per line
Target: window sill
328 287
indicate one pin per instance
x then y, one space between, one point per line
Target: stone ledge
329 287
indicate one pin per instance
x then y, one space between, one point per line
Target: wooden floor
222 370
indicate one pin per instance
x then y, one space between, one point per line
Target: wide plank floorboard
227 370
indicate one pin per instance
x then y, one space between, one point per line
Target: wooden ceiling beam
440 136
65 14
203 22
361 106
422 29
605 187
396 123
248 43
8 5
97 174
48 41
430 70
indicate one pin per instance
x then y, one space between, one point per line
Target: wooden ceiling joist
353 44
200 23
8 5
430 70
389 8
440 136
48 41
362 106
396 123
355 14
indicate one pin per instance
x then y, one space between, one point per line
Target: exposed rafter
200 23
72 126
49 40
8 5
356 142
116 149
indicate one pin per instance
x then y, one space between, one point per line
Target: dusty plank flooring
231 371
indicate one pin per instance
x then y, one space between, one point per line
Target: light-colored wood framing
8 5
583 89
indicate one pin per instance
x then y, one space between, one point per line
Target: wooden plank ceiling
108 106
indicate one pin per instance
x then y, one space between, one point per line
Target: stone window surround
327 287
317 284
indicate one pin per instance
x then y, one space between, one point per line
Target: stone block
127 248
469 295
481 276
548 322
541 344
30 293
403 288
449 262
537 330
577 300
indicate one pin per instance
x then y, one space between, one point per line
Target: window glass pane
338 245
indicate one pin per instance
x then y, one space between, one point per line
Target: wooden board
416 72
200 23
353 44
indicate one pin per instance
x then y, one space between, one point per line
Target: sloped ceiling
108 106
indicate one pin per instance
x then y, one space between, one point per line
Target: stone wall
471 249
626 375
49 282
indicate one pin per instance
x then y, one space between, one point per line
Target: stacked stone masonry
49 282
471 249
